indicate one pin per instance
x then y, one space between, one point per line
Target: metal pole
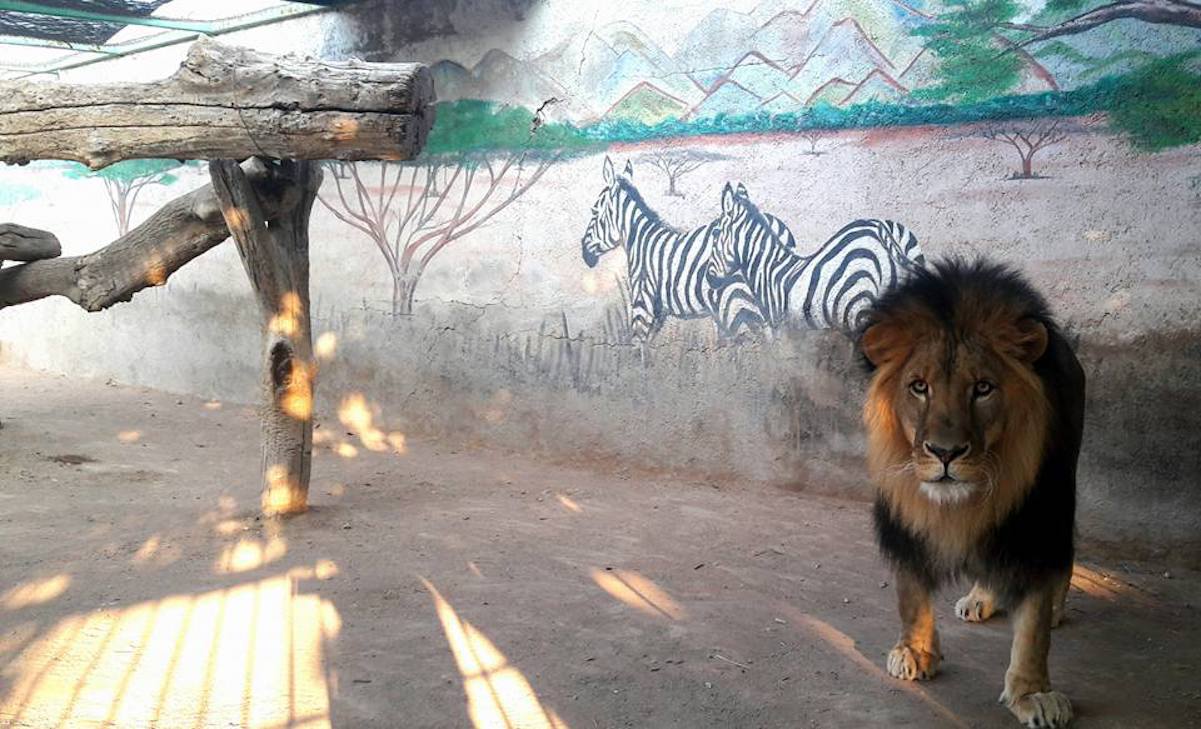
215 27
19 6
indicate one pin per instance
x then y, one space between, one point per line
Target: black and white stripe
832 288
667 267
735 308
846 276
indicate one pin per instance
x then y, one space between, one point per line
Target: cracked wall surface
512 341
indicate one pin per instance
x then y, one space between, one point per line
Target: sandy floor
444 589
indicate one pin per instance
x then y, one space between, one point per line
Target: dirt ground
434 588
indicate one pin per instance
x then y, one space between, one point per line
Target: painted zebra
831 288
666 266
735 309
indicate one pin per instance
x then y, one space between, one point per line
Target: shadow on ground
432 588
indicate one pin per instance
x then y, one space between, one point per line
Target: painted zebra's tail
846 276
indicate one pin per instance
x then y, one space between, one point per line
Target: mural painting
482 160
666 265
636 224
742 269
1027 79
124 181
832 287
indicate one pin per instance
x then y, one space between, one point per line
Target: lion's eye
919 388
983 388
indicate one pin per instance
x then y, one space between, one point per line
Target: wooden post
223 103
275 252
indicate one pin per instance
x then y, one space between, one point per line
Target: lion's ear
1031 340
881 343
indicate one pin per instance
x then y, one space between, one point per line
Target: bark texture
274 248
146 256
18 243
1163 12
225 103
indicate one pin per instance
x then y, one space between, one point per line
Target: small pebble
1167 575
846 601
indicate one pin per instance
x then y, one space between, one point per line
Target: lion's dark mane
1035 542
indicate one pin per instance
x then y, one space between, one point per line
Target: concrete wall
512 341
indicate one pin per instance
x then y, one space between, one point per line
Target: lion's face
955 412
953 417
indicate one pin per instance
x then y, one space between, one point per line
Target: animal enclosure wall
505 289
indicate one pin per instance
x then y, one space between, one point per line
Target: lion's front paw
976 606
909 663
1041 709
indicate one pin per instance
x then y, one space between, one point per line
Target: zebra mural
667 266
831 288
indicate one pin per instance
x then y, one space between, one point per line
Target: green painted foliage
1156 105
972 65
1066 5
472 126
858 116
15 194
129 171
1159 105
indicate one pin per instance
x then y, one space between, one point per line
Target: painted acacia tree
814 137
480 158
675 162
125 180
983 46
1028 139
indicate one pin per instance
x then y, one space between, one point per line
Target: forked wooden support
223 103
274 249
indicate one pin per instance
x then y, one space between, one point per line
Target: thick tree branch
146 256
1164 12
18 243
224 103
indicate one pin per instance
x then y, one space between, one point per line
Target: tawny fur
1013 459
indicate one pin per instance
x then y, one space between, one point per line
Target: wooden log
225 103
146 256
18 243
274 248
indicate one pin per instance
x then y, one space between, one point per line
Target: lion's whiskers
991 465
897 469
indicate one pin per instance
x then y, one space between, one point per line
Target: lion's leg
916 655
1059 598
977 606
1028 691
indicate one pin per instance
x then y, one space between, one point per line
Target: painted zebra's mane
759 218
888 235
627 186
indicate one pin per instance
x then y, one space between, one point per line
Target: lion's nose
946 455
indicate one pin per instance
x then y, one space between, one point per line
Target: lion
974 416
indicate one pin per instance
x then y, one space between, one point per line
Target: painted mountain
783 56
